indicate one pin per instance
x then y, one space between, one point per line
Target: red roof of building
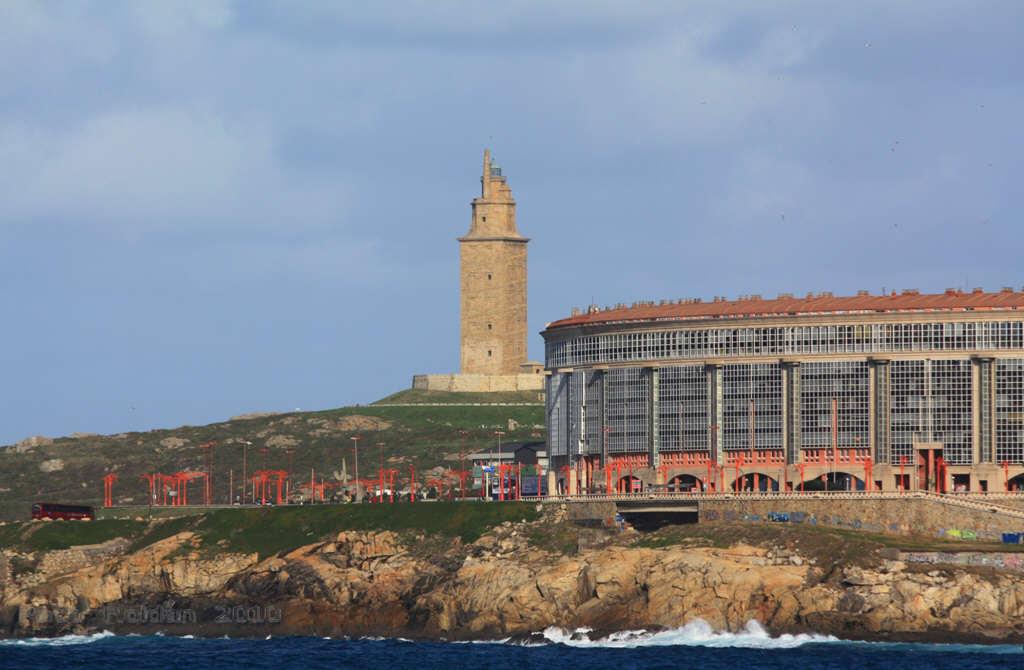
822 303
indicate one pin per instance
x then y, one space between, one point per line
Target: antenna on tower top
485 178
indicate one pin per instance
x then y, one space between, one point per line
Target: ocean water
693 646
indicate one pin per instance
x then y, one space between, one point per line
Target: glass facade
1010 410
627 390
556 404
951 409
906 408
683 408
972 408
576 418
878 338
845 382
594 413
751 406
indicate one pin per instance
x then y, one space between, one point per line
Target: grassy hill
271 530
416 396
70 469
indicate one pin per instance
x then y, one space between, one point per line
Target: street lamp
245 453
380 446
355 441
499 434
501 475
462 463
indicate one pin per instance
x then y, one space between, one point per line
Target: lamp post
355 441
288 487
462 463
380 447
501 474
245 455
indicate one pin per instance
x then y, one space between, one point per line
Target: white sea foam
62 641
696 633
946 647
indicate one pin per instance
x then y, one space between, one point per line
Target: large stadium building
903 391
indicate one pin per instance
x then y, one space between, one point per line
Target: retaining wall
896 516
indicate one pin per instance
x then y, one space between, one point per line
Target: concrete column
872 417
791 411
786 369
975 412
552 482
714 377
581 439
929 403
604 419
653 409
881 443
932 482
983 397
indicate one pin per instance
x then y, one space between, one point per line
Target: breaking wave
62 641
696 633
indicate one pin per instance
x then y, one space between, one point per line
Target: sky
211 207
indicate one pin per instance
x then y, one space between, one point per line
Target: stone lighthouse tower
493 281
492 298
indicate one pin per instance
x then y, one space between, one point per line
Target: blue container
1012 538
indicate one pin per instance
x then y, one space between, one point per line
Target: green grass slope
418 397
270 530
422 436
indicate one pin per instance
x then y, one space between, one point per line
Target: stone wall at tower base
478 383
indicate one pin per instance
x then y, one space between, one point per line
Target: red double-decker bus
63 512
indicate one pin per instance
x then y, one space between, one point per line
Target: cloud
158 167
213 113
667 92
183 16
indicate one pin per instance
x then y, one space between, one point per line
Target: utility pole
501 476
245 453
288 487
380 448
208 448
355 441
462 463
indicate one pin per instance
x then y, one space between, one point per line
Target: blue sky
209 208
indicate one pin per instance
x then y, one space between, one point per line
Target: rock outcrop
380 583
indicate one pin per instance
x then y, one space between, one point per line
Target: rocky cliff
501 585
